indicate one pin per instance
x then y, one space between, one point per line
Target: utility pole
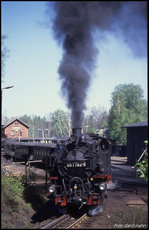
7 87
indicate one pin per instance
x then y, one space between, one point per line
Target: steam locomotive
80 170
79 167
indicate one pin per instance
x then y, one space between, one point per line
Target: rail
77 221
66 221
54 223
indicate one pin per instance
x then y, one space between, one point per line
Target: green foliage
143 166
37 125
15 211
128 106
60 121
96 119
143 169
57 124
12 190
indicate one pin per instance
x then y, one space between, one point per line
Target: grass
13 206
131 217
19 201
12 191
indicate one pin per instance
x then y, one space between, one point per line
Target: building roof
139 124
11 121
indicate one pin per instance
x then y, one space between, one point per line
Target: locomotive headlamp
102 186
83 138
91 179
52 188
75 187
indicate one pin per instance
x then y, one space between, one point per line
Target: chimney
77 131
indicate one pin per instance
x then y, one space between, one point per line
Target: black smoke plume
74 25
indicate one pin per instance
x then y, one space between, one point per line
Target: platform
122 172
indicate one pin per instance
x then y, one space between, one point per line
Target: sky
34 58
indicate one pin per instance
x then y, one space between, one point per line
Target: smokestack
77 131
74 25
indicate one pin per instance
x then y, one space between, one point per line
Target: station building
15 129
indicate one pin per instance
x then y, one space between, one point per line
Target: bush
12 190
143 166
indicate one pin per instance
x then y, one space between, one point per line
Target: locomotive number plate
76 164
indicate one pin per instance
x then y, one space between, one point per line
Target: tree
128 106
4 54
61 123
37 125
28 121
143 165
56 124
96 119
51 132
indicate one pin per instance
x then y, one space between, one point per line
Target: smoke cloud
74 25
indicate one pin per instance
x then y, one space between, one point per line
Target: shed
15 128
137 133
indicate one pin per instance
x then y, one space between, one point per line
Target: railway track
64 222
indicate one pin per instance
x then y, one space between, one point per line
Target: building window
16 124
12 133
20 133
